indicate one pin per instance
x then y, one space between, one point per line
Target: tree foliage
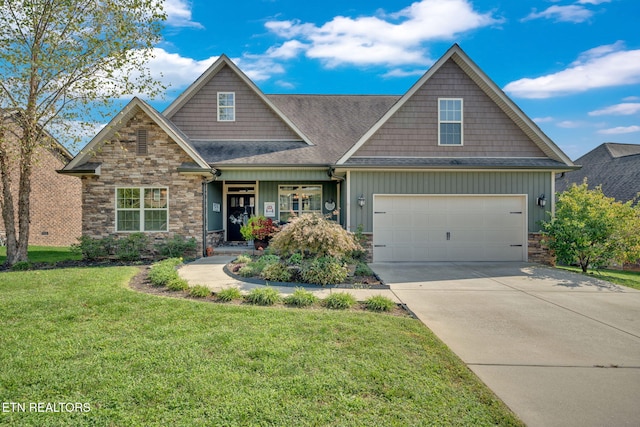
590 229
62 64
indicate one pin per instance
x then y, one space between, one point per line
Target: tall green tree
61 63
590 229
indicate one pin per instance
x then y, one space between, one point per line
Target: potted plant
259 229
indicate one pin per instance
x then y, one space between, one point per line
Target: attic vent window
141 142
226 106
450 121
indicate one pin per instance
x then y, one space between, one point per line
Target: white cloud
604 66
569 124
624 109
571 13
175 70
631 98
594 2
397 72
179 14
620 130
543 119
394 38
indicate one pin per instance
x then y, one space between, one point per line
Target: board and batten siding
253 118
413 130
369 183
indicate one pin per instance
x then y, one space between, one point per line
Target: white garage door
449 228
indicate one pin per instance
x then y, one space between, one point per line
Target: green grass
49 254
630 279
80 335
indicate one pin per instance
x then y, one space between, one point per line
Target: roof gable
615 167
121 119
455 55
194 111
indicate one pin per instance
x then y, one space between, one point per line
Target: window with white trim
142 209
299 199
450 121
226 106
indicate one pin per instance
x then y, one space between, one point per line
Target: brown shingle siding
487 130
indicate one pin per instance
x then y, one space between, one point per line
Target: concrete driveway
558 348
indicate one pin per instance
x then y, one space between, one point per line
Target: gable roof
120 120
221 62
455 53
616 167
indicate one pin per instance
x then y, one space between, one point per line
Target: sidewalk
209 272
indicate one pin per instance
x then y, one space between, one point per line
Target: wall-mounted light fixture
542 201
361 200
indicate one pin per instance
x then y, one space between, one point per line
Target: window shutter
141 140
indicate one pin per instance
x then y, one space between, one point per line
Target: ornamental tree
62 64
590 229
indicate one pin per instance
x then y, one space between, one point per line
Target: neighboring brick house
55 199
452 170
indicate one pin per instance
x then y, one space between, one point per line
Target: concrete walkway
560 349
208 272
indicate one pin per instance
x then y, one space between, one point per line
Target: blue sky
571 65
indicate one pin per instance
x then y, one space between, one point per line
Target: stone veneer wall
122 167
538 252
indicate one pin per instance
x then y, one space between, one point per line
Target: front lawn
81 336
48 254
630 279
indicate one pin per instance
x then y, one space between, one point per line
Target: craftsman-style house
451 170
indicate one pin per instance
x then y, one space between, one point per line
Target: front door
240 207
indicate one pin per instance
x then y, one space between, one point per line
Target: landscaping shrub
313 235
300 298
295 259
161 273
340 301
259 264
263 296
177 246
324 271
276 272
242 259
21 266
93 249
248 270
229 294
379 303
199 291
177 284
362 269
131 247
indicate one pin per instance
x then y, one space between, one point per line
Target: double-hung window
142 209
450 121
299 199
226 106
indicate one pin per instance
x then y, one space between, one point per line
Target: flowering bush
314 236
260 228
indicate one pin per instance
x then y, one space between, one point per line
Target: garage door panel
450 228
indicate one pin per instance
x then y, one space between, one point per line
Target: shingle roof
333 123
614 166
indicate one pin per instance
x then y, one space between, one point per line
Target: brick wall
122 167
55 201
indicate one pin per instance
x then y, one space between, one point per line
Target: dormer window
226 106
450 121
